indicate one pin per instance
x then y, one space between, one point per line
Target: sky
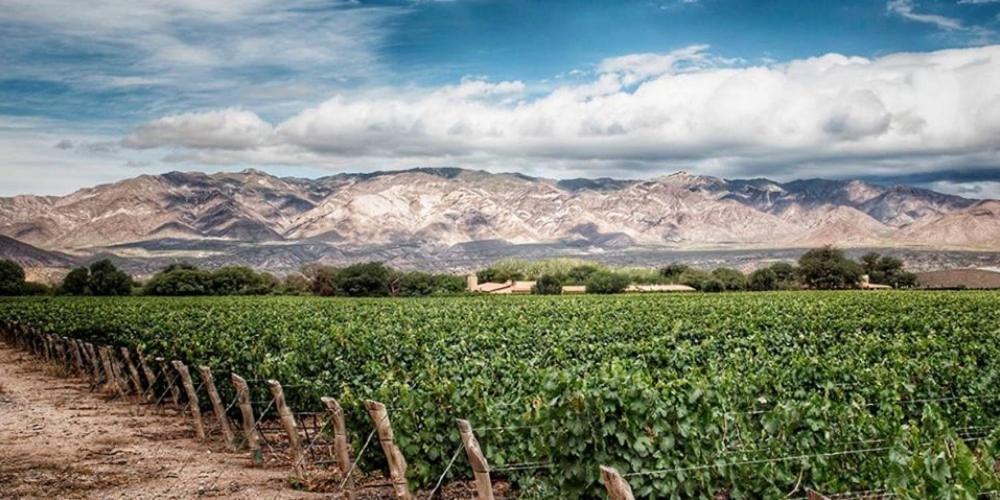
892 91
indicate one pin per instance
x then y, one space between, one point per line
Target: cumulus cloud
223 129
906 111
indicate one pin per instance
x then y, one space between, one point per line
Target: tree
295 284
886 270
673 271
449 284
731 279
827 268
694 278
787 274
106 279
11 278
77 282
239 280
416 284
606 282
763 279
370 279
578 275
179 280
547 284
496 275
323 279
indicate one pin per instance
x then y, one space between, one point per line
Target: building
507 287
866 284
658 288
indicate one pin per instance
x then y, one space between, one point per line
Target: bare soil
58 439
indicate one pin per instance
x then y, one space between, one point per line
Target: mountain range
444 217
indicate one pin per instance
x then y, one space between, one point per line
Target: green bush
11 278
106 279
731 279
763 279
606 282
547 285
827 268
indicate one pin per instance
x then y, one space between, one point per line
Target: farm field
747 395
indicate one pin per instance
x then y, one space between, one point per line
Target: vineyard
748 395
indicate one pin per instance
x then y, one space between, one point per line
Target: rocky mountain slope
442 208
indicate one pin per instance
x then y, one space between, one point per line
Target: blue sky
895 91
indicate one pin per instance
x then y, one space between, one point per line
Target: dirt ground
60 440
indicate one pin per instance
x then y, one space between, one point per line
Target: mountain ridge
444 207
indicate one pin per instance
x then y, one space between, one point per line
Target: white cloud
223 129
906 112
906 9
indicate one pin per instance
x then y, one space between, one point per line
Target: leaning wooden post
341 448
109 374
812 494
288 422
618 487
150 375
175 393
60 351
133 372
397 463
74 346
95 361
116 370
217 408
480 468
249 424
199 428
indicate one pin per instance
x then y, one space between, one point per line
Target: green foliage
672 272
695 278
106 279
763 280
34 289
295 284
178 280
547 285
77 282
11 278
606 282
707 388
886 270
731 279
578 275
827 268
240 280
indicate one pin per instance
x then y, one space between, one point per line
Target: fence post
341 447
133 372
150 376
249 424
199 428
116 370
109 374
480 468
175 393
60 352
288 422
397 463
812 494
94 361
618 488
77 356
217 408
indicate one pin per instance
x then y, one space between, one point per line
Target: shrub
672 272
579 274
240 280
547 285
887 270
763 279
694 278
107 279
177 281
11 278
827 268
77 282
370 279
731 279
605 282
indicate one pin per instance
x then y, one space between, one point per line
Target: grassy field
749 394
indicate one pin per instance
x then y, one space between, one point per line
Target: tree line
821 268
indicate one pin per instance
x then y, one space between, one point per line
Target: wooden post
77 355
397 463
341 448
150 375
95 361
175 393
116 370
249 427
109 373
288 422
812 494
217 408
182 370
60 351
618 487
133 372
480 468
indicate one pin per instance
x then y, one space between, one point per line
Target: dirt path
59 440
